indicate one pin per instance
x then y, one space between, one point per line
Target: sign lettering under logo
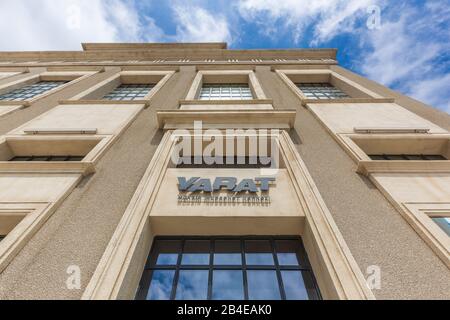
230 184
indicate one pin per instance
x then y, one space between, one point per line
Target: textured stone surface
374 231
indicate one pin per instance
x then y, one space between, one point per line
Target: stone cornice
170 51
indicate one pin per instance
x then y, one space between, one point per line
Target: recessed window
403 157
321 91
238 91
129 92
228 269
30 91
2 237
47 158
443 223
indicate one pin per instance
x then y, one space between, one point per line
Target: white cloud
328 17
404 54
64 24
196 24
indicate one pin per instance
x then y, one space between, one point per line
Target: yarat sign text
196 184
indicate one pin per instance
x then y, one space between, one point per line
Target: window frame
228 86
304 266
35 87
324 86
97 92
410 144
355 92
72 76
420 215
225 77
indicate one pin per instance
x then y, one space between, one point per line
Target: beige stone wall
371 226
80 228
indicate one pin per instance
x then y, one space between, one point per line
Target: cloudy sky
404 44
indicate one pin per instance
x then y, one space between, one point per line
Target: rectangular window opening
228 268
30 91
408 157
47 158
128 92
231 91
443 223
321 91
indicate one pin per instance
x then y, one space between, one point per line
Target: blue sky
406 46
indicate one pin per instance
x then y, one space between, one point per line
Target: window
129 92
443 223
1 238
231 268
402 157
238 91
31 91
321 91
47 158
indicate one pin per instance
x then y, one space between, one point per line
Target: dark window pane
395 157
434 157
192 285
228 285
227 252
196 252
444 224
263 285
290 253
294 286
58 158
258 252
376 157
414 157
41 158
165 252
75 158
161 285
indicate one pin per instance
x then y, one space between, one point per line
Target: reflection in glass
165 259
161 285
228 259
287 259
259 259
443 223
263 285
289 252
294 286
192 285
227 252
195 259
196 252
165 252
258 252
228 285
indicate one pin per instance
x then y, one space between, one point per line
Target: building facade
192 171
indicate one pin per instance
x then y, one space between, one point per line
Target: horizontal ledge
184 119
82 167
61 131
104 102
228 102
367 167
347 100
25 103
390 130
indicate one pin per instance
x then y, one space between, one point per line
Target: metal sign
196 184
